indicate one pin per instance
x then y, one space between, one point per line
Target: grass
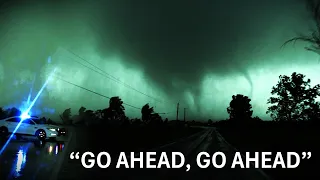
277 137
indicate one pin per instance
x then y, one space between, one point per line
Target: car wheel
3 131
41 134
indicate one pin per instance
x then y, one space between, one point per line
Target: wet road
30 159
35 161
209 141
193 144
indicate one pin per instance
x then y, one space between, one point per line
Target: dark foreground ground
204 139
277 137
130 139
189 141
119 139
29 159
26 160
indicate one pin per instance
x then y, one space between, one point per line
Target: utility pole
184 114
177 112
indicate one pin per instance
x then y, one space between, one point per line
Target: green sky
198 54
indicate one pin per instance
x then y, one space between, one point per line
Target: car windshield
28 121
39 120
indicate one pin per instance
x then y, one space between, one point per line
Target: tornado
246 75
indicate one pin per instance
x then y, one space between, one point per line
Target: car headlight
52 129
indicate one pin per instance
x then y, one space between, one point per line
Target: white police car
29 127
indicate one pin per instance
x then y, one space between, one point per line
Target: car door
28 127
12 124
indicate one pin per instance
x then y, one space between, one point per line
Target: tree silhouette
146 112
2 113
240 108
49 121
313 6
12 112
156 119
88 116
81 117
210 122
115 109
116 104
66 116
295 99
82 110
99 114
166 121
42 120
136 121
256 119
106 114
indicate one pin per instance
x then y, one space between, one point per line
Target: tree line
293 99
114 114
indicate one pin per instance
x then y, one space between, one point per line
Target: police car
30 127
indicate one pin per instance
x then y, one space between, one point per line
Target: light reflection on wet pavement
29 159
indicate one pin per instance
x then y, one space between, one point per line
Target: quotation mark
306 155
76 156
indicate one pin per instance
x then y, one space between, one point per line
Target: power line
107 75
92 91
99 94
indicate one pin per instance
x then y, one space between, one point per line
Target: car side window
28 121
14 120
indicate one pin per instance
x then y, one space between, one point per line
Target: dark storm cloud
174 40
184 40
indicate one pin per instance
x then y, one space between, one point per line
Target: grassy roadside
277 137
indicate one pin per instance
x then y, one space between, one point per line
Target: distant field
268 136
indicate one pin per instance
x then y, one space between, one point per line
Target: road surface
30 159
209 141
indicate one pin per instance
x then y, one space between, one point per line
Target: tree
240 108
42 120
256 119
136 121
66 116
156 119
106 114
210 122
88 116
313 6
82 110
13 112
115 109
295 99
98 114
115 103
2 113
166 121
49 121
146 112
